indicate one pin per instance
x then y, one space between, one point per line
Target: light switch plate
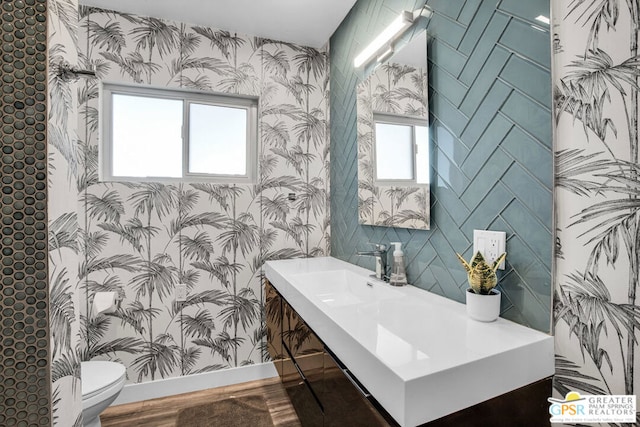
181 292
491 245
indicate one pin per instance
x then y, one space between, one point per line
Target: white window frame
249 103
393 119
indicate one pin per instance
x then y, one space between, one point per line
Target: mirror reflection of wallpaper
392 89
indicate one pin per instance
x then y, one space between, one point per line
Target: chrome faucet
380 253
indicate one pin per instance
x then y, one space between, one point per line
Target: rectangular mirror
393 139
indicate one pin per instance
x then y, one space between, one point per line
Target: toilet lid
98 375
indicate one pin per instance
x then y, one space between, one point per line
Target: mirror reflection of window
394 152
401 150
422 155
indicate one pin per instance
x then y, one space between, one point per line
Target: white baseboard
178 385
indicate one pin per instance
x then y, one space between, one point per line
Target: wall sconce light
384 39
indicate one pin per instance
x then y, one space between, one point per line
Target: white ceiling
305 22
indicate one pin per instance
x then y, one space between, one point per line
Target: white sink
339 288
418 353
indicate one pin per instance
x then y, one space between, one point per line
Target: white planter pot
485 308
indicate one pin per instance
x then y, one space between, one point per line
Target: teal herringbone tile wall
490 113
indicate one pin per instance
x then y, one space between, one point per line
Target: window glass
150 129
152 134
217 140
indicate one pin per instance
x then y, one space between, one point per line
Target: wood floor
163 412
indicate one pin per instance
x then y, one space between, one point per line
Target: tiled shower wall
142 239
490 124
24 304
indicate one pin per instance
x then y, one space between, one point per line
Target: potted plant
483 301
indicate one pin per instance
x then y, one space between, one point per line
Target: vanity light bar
385 55
397 27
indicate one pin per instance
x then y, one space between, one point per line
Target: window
401 150
153 134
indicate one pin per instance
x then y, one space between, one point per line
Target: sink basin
417 353
340 288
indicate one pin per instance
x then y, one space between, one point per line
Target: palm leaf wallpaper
64 232
141 239
596 311
400 90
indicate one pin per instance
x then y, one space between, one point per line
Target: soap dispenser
398 273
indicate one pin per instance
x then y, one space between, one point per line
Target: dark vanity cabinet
319 386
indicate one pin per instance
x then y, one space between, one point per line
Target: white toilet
102 382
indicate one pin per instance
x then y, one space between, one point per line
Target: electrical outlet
181 292
491 245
